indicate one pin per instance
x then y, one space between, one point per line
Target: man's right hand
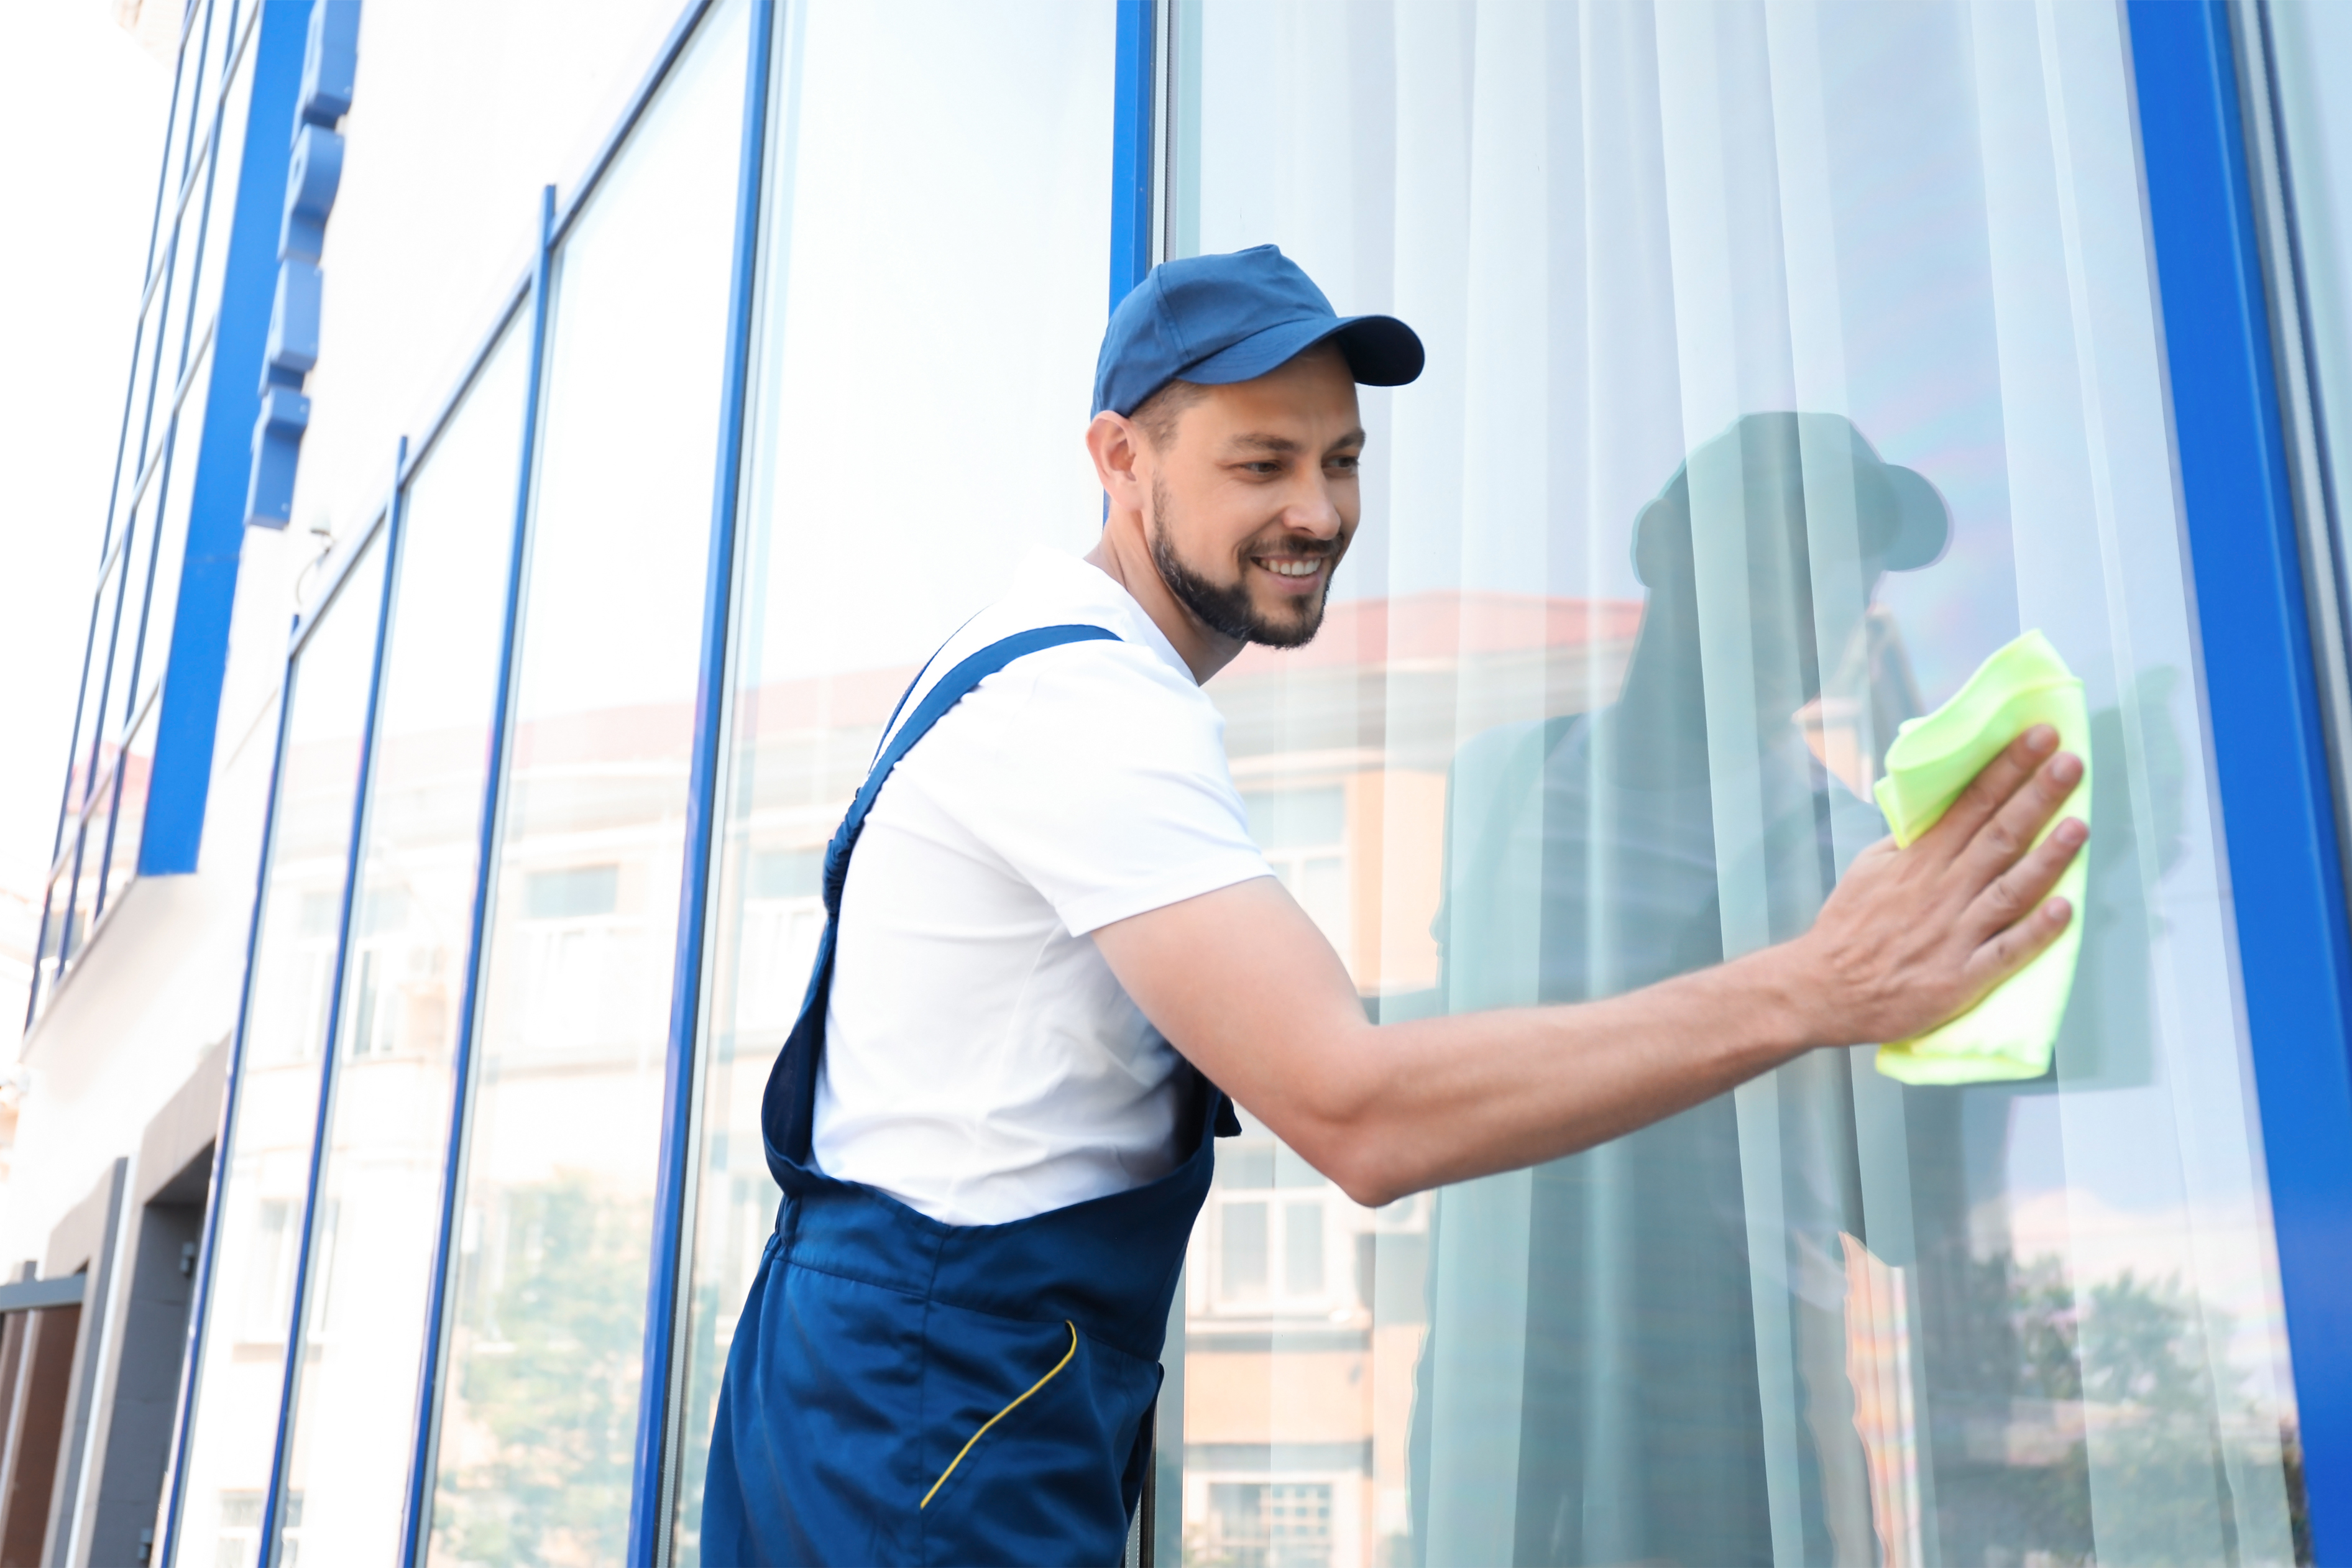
1912 937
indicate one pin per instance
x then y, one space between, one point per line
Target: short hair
1159 413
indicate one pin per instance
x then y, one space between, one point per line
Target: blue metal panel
417 1510
1130 148
181 779
201 1303
330 1049
674 1180
330 62
2288 887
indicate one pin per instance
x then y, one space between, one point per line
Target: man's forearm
1417 1104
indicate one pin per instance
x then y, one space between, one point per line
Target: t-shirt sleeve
1117 796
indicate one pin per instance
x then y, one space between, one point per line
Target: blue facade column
198 661
2270 748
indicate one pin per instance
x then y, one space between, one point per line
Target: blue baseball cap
1215 319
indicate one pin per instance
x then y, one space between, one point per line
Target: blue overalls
905 1391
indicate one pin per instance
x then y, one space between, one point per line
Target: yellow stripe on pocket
1000 1416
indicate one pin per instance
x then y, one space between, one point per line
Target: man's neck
1124 554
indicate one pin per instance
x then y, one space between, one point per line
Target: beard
1227 609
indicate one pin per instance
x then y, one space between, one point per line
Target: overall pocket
1018 1400
1027 1431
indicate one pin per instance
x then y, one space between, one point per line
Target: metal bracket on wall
314 172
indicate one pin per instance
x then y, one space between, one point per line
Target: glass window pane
89 867
895 124
177 285
540 1397
162 550
220 198
461 114
137 413
241 1363
224 14
57 918
1629 623
131 806
189 102
91 753
355 1403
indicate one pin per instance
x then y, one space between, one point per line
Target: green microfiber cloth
2009 1033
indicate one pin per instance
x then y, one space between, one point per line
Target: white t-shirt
982 1062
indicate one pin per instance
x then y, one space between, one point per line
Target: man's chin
1292 626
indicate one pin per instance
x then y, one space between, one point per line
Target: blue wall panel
199 655
1130 148
2270 749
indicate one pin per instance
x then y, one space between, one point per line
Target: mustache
1309 549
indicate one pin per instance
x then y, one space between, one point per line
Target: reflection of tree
551 1382
2016 1480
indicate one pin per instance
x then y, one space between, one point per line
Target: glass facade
852 299
538 1396
1785 361
104 812
260 1189
387 1127
460 113
1614 665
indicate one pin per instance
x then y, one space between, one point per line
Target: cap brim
1381 351
1923 523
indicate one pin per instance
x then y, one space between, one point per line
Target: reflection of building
497 1030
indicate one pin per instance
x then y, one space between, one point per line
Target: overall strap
951 690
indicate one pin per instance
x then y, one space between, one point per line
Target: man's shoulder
1135 663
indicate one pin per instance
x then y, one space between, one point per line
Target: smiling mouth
1290 566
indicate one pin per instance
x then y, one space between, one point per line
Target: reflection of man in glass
1761 692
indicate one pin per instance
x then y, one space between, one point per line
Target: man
1059 953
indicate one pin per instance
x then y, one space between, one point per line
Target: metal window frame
2264 571
184 1422
654 1477
417 1506
393 533
1143 177
232 1093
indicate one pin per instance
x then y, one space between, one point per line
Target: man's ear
1116 446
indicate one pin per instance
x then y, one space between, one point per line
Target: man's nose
1314 511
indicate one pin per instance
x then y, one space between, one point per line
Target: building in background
507 582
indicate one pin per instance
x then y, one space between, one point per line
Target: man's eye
1345 464
1263 467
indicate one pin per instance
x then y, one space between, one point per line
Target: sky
81 126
